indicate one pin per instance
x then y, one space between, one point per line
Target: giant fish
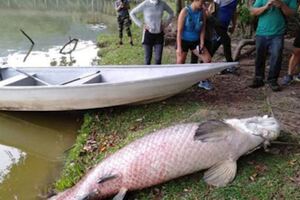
173 152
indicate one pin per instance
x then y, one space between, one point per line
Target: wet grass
261 175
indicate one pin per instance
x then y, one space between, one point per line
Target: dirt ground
232 94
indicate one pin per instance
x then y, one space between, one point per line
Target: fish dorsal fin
121 194
212 131
106 178
221 174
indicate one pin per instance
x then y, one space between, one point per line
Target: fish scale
167 154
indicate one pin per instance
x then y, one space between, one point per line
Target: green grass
113 53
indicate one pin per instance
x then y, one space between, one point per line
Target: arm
133 13
118 5
256 11
286 10
171 14
234 20
180 24
202 33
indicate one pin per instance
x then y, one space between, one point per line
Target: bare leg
294 61
181 57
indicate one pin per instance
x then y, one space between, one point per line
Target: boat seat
88 78
20 79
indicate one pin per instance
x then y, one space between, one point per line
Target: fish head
266 127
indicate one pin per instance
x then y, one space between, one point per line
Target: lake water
51 27
32 150
33 145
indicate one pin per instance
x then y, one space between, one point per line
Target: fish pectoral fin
212 131
221 174
121 194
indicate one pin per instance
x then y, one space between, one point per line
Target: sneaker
231 70
297 77
274 86
120 43
206 84
131 43
287 79
257 83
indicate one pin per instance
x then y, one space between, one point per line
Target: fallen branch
288 45
31 47
238 49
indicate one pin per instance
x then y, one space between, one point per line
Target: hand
146 27
201 47
269 4
178 51
277 3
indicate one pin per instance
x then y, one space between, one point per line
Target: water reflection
32 146
10 156
50 29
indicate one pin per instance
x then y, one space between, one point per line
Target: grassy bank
113 53
261 175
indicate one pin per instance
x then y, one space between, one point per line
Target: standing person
270 38
293 63
224 13
122 7
191 34
153 26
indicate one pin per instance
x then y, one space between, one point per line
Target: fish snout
267 127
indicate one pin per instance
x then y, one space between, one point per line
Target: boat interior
10 76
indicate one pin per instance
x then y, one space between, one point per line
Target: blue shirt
226 11
193 23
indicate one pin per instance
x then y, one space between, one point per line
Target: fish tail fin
121 194
221 174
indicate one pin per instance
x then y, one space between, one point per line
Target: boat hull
110 92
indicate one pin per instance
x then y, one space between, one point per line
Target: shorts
297 40
186 45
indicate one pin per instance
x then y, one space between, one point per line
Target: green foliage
244 15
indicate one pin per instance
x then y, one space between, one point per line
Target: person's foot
131 43
297 77
287 79
206 84
120 43
257 83
274 86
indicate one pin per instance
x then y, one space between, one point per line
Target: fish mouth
266 127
